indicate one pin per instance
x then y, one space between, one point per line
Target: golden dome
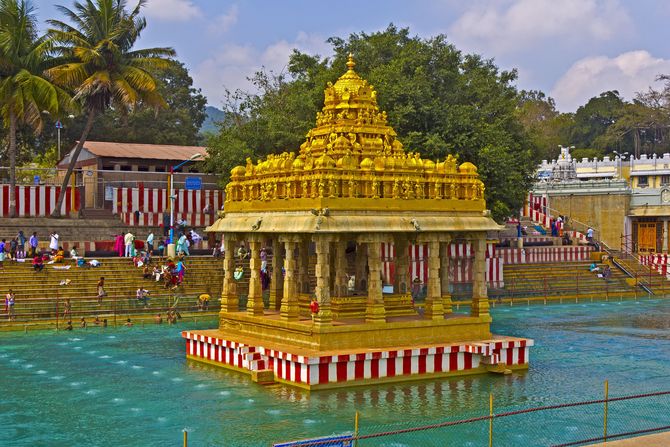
238 171
324 162
467 168
367 164
429 166
298 164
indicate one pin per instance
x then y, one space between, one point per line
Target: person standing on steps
21 248
150 242
101 290
128 240
34 242
53 244
9 304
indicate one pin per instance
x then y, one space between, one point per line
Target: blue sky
570 49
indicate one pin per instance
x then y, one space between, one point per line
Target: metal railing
596 420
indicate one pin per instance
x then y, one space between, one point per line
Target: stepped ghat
351 188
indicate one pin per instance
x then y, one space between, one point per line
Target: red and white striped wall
334 370
460 264
37 201
155 200
156 219
658 261
536 255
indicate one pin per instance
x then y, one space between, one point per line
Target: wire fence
557 425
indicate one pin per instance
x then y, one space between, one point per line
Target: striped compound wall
359 368
537 255
658 261
37 201
154 200
461 258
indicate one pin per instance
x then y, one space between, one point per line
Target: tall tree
101 67
24 91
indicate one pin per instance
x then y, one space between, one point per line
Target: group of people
171 273
557 225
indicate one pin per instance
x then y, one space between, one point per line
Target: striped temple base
351 369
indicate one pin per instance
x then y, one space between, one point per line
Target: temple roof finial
350 62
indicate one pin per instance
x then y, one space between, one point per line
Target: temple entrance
646 236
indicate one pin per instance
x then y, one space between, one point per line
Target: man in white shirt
128 241
53 244
150 242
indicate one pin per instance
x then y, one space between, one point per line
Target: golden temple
324 214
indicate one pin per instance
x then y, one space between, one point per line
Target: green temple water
133 387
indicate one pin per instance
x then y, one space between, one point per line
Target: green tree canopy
439 100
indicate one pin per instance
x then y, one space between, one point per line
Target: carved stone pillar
276 279
303 270
444 277
340 268
361 263
322 273
434 308
401 265
480 300
230 300
375 312
255 301
290 309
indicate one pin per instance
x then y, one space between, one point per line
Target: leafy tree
545 126
24 91
594 118
178 124
101 67
439 101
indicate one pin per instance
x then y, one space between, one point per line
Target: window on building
643 181
143 168
108 167
665 180
160 168
126 168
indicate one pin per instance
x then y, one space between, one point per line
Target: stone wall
604 212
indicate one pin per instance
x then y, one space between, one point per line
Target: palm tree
101 68
24 90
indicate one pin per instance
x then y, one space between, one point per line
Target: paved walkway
655 440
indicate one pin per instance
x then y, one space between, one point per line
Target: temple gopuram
316 223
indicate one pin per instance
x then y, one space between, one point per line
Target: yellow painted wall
605 212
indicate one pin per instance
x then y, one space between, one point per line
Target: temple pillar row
340 264
402 265
444 277
322 273
255 296
303 270
434 307
480 300
276 278
361 264
229 298
290 309
375 311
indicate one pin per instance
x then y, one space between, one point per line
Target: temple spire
350 62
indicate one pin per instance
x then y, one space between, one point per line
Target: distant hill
214 115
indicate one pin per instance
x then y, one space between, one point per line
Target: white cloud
233 64
628 73
225 22
172 10
513 25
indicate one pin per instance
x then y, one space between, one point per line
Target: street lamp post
171 191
